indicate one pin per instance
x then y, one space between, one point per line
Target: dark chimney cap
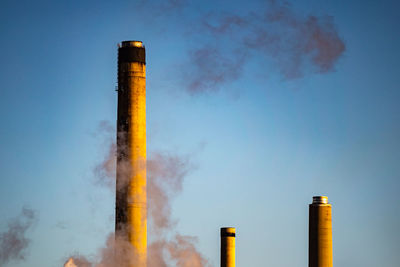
132 51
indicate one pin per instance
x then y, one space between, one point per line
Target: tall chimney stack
131 202
228 235
320 233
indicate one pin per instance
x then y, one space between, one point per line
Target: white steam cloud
165 176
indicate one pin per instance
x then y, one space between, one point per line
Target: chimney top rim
320 200
132 43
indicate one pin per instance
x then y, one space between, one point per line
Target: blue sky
268 144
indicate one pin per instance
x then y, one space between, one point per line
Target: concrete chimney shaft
320 233
228 235
131 199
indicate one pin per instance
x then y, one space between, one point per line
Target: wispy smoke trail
105 171
165 175
13 242
181 250
276 35
184 252
211 68
221 44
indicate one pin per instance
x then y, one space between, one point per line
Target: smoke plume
166 173
222 44
276 36
13 242
165 176
181 250
104 172
211 68
117 252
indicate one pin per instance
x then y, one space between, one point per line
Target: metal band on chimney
228 234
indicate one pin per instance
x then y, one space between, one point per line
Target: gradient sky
262 145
